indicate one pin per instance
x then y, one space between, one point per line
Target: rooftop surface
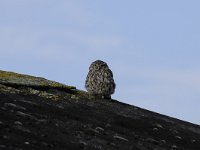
36 113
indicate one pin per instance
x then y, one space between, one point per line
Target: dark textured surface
31 121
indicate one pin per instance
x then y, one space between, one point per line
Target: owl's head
97 65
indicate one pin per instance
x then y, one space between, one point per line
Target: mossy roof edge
12 78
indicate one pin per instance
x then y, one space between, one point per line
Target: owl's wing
110 72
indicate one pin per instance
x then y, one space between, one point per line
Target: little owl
99 81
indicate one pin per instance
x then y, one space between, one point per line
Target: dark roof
36 113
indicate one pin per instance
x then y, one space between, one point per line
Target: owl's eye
97 67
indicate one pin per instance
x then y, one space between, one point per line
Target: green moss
27 80
58 85
8 75
82 94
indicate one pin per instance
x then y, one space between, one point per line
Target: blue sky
152 47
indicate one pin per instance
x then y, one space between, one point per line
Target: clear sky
152 47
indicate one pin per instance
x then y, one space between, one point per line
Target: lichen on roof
11 78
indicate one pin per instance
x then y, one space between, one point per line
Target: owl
99 81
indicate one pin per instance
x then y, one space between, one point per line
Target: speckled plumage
100 80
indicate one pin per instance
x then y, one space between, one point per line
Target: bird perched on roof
99 81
